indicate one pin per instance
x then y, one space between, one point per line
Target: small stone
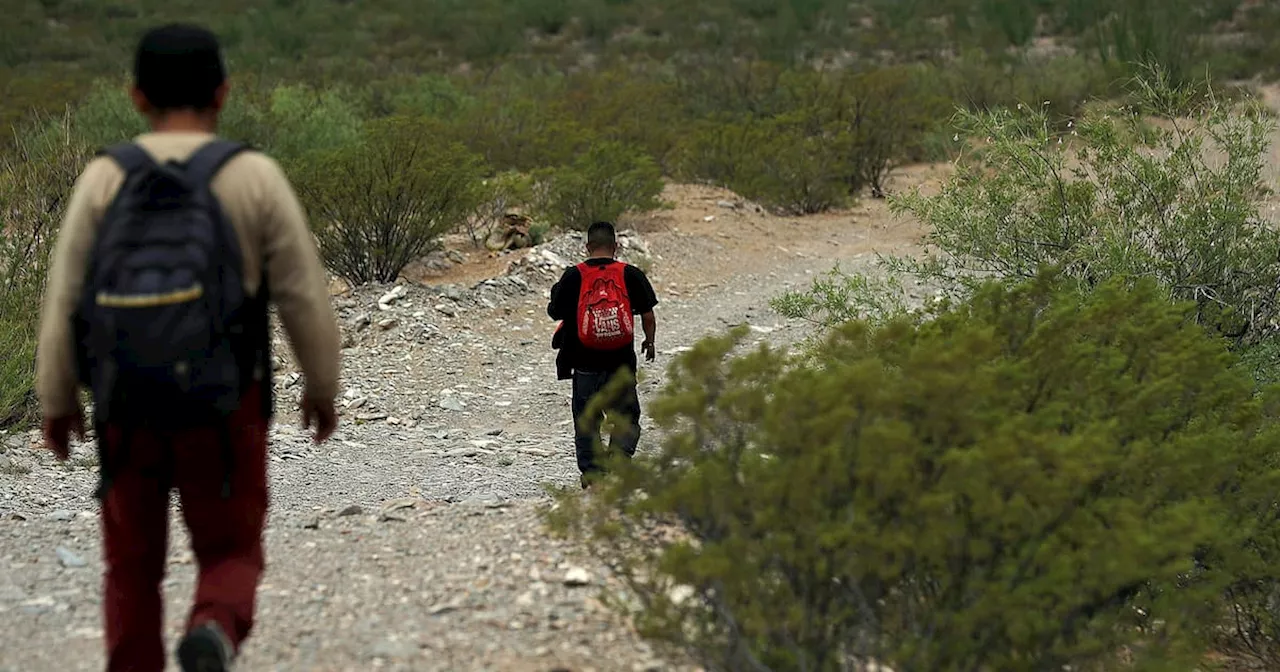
494 432
447 310
361 321
577 577
453 404
456 257
680 594
445 607
488 501
68 558
390 297
353 510
388 324
61 516
313 523
730 205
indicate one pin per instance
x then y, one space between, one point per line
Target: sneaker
206 649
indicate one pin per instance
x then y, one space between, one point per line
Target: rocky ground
412 540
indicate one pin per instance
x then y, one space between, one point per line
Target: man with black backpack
171 250
596 302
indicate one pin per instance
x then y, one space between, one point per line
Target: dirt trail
411 541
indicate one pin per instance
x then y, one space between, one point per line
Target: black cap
179 66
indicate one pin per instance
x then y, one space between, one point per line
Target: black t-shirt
564 306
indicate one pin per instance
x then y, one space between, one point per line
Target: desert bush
1018 482
35 182
522 134
107 116
300 120
499 195
386 202
775 162
637 108
827 137
836 297
606 181
1177 200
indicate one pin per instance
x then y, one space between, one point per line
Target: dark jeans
624 408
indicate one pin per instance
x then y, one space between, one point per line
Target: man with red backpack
171 251
596 302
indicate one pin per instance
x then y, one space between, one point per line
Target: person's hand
649 350
58 431
321 414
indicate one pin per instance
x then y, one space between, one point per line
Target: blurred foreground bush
35 182
1035 479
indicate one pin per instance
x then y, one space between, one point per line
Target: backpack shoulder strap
129 156
209 159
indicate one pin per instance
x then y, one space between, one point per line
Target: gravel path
412 541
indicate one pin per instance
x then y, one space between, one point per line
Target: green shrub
107 116
1178 200
522 134
606 181
825 139
836 297
774 162
35 182
1020 482
301 121
386 202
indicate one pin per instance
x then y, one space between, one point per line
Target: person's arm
564 296
56 380
553 307
299 289
643 301
650 325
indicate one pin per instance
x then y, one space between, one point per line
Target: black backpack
164 330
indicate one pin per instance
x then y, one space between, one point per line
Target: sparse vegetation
1039 471
35 181
1033 479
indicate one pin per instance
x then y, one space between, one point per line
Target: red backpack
604 309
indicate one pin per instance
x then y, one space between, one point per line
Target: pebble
68 558
577 577
61 516
353 510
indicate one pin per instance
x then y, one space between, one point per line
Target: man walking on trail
157 303
596 302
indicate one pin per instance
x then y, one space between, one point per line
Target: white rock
390 297
576 577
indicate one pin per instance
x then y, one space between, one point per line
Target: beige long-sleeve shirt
260 204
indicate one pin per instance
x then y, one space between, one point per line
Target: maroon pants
226 532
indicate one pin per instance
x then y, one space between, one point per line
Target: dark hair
179 66
601 235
